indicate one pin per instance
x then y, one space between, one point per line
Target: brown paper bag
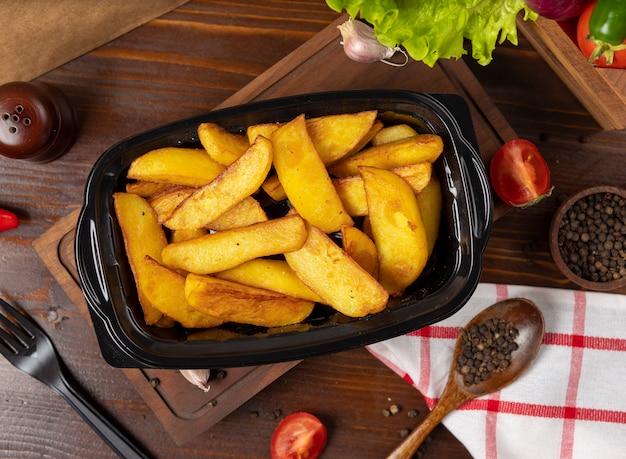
40 35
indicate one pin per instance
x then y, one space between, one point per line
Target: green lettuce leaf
435 29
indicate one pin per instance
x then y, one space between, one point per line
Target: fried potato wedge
178 166
187 235
222 145
264 129
239 180
274 188
335 136
393 133
397 228
165 202
270 274
305 179
146 189
360 248
416 149
352 193
327 270
142 236
430 201
165 289
233 302
226 249
247 212
417 175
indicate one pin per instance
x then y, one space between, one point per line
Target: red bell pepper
8 220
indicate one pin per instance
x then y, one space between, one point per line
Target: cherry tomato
8 220
298 436
519 174
588 46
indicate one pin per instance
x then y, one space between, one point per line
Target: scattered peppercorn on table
188 62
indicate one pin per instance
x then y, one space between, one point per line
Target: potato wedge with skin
222 145
238 181
336 136
430 201
376 127
397 228
264 129
187 235
178 166
226 249
305 179
270 274
417 175
243 304
247 212
146 189
274 188
360 248
142 236
165 202
327 270
416 149
352 193
393 133
165 289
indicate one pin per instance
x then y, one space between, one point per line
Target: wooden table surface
183 64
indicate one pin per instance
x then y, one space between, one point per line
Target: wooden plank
311 68
601 91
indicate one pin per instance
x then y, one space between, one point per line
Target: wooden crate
601 91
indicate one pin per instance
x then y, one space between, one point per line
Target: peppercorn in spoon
493 350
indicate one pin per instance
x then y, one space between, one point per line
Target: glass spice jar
37 123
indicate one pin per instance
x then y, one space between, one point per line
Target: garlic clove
199 378
361 45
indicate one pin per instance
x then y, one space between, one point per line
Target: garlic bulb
361 45
199 378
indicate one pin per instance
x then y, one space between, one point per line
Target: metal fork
28 348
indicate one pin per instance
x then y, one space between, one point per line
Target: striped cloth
571 403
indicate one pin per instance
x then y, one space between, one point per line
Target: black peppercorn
487 349
590 240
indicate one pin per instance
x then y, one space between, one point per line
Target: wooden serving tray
183 411
601 91
318 65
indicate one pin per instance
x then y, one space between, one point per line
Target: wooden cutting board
318 65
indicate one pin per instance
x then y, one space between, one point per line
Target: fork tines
14 333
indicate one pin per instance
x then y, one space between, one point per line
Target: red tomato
519 174
587 46
298 436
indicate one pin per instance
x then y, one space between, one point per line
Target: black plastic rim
446 285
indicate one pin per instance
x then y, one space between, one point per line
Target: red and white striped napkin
571 403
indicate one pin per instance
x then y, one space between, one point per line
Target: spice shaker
37 123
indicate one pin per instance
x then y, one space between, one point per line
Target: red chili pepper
8 220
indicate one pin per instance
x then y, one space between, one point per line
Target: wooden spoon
528 320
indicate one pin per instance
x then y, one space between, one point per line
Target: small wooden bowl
554 244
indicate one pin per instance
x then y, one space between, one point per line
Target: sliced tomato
519 173
298 436
588 46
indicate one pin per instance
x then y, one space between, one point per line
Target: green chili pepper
607 28
608 21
